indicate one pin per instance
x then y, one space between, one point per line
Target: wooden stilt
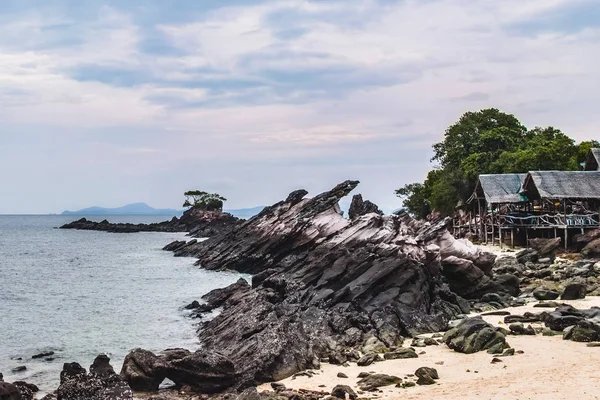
566 227
512 237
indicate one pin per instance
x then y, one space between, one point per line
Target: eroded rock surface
325 286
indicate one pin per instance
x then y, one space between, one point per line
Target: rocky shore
371 306
199 223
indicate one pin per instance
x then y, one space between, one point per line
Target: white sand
550 368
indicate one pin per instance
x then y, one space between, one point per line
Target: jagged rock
317 275
542 293
340 392
143 370
100 384
404 352
473 335
358 207
574 291
375 381
42 355
20 368
426 375
28 390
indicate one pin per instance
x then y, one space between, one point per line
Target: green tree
415 199
488 142
203 200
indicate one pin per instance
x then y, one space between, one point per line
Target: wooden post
480 223
500 233
512 237
526 237
493 233
566 226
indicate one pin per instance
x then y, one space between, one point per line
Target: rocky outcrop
323 286
102 383
202 371
199 223
9 391
358 207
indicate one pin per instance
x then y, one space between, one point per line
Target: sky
113 102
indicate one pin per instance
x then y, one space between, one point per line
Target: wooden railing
544 220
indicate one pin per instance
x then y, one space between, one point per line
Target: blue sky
113 102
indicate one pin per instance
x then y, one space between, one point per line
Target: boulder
426 375
143 370
527 255
372 382
9 391
545 247
584 331
367 359
402 352
592 249
581 241
574 291
473 335
340 392
542 293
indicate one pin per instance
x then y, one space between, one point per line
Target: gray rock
426 375
375 381
574 291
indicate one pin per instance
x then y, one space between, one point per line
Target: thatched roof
592 162
499 188
562 185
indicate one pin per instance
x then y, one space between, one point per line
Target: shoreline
550 367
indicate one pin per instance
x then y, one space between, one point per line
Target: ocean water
83 293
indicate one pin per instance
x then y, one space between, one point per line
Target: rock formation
199 223
324 287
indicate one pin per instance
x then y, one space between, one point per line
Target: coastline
549 368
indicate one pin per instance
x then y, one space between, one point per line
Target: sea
84 293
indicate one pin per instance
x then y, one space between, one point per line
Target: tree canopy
488 142
203 200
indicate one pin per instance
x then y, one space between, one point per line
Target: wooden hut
539 203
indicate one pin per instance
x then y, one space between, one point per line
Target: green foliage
416 199
488 142
203 200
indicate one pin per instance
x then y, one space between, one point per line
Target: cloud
257 93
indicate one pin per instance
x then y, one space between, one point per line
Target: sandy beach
549 368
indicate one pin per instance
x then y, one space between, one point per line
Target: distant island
145 209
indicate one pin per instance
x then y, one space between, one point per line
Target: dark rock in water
323 283
193 305
358 207
426 375
541 293
574 291
340 392
20 368
143 370
375 381
102 383
404 352
199 223
473 335
9 392
28 390
42 355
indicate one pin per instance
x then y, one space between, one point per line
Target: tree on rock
200 200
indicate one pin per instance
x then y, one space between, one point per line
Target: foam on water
82 293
